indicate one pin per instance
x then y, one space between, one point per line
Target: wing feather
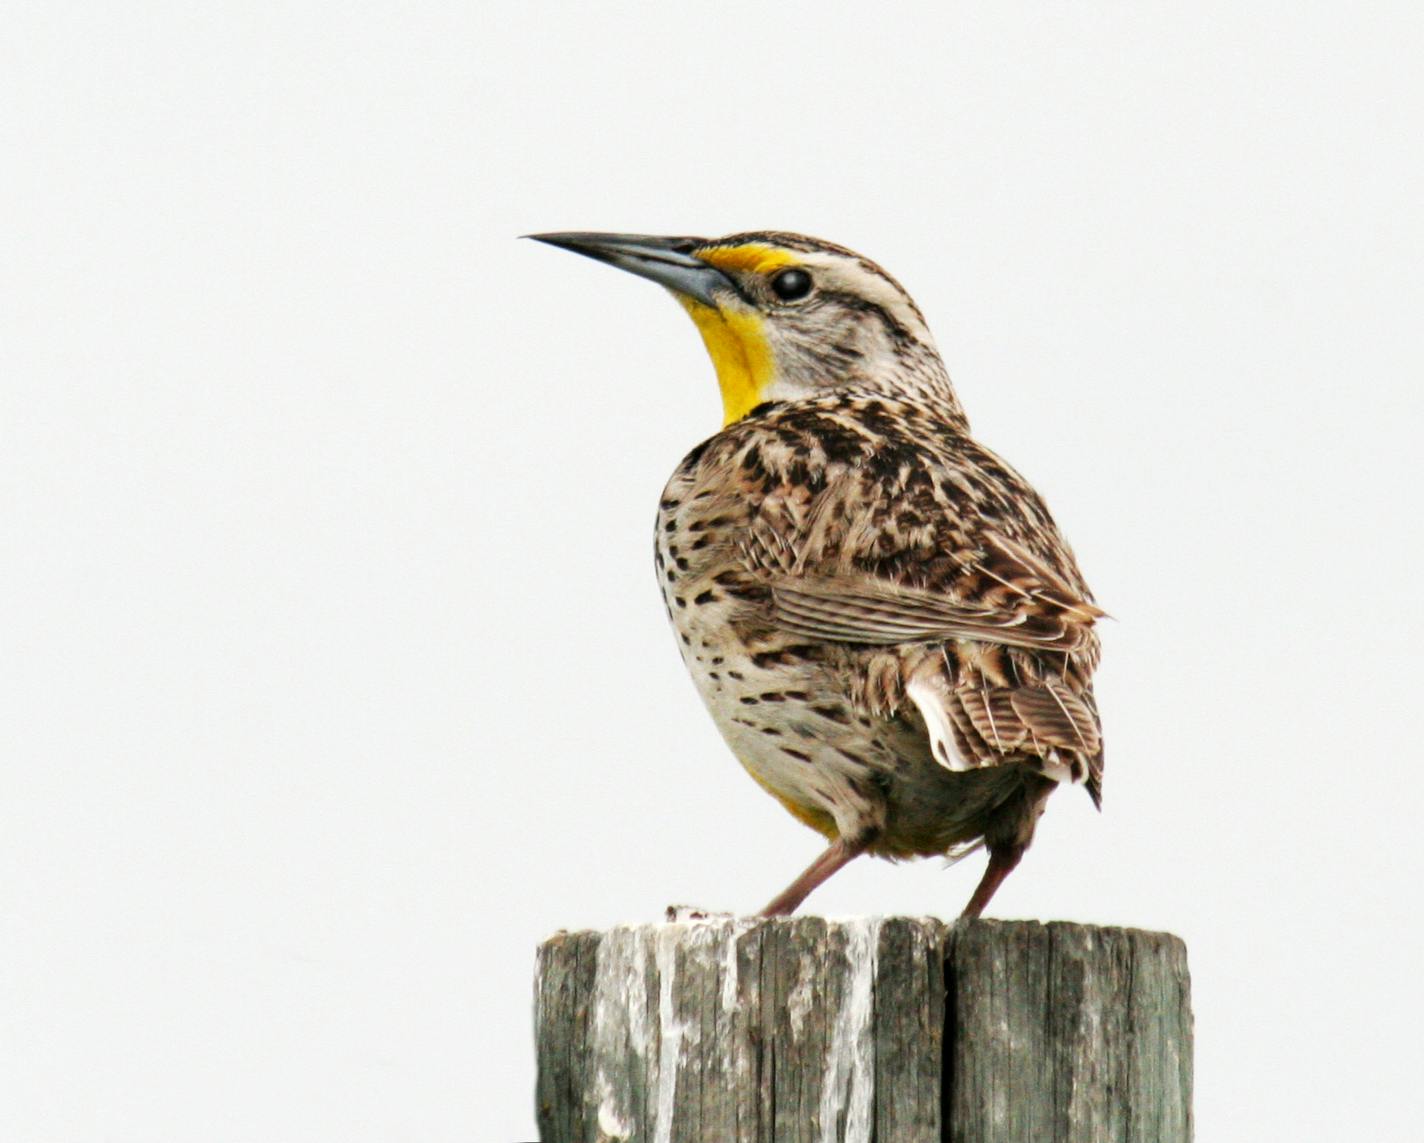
937 568
864 610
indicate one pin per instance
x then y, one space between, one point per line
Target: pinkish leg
840 852
1002 859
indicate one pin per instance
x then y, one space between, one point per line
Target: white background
337 674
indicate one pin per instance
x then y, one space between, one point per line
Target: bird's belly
782 719
801 744
837 768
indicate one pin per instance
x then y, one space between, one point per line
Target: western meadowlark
880 614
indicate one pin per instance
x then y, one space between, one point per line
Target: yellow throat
740 353
736 341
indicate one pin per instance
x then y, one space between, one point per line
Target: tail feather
1024 715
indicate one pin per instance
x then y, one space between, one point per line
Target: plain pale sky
338 676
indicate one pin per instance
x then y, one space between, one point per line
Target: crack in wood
894 1030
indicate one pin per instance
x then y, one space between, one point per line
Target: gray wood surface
897 1030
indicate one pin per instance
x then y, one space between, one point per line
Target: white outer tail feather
929 701
926 697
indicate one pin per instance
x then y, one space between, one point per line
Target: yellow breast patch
803 812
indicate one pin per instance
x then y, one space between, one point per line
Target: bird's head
785 316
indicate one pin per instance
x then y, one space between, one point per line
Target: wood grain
887 1029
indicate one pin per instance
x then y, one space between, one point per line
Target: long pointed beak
666 261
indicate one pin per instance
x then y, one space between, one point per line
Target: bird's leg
840 852
1002 859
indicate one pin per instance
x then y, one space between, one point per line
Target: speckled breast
783 704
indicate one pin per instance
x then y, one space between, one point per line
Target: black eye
789 285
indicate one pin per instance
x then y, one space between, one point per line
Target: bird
882 617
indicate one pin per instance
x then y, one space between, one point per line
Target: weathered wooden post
896 1030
